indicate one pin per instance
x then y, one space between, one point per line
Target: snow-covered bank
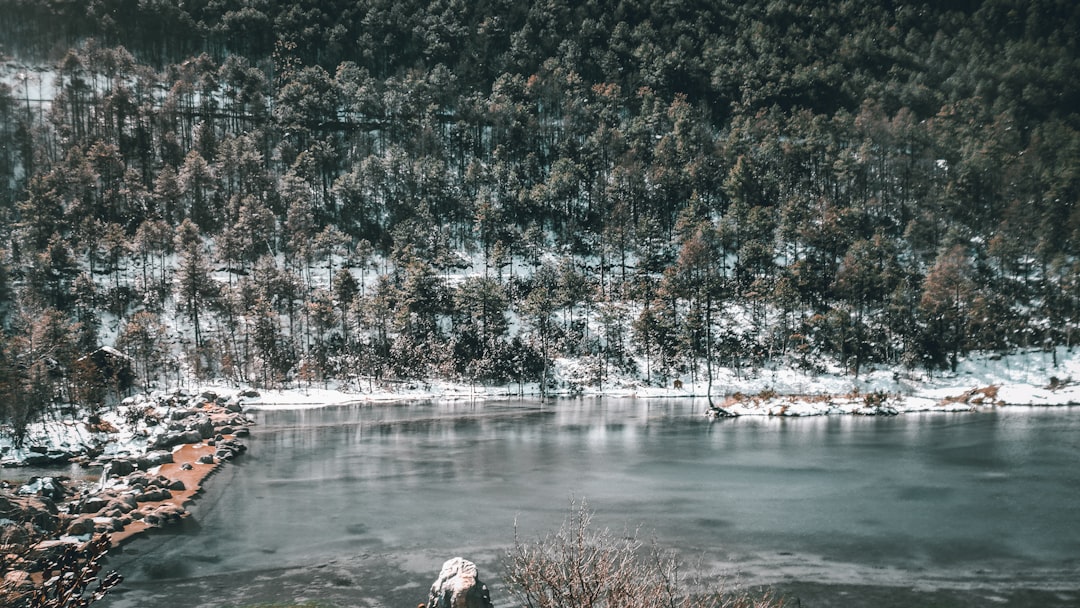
139 425
1029 379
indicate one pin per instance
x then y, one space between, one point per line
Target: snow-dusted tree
250 234
329 243
420 299
481 303
276 352
51 273
41 213
868 273
145 339
299 221
320 310
696 280
154 239
115 245
945 302
538 310
197 184
87 312
166 196
194 286
345 291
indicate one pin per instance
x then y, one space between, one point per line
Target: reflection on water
70 470
971 504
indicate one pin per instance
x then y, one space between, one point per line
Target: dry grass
987 395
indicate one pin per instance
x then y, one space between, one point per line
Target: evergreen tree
946 302
194 286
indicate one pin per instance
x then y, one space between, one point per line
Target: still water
360 505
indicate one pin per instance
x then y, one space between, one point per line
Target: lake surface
360 505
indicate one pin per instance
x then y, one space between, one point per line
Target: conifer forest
277 193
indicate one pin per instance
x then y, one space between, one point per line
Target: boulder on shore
458 587
168 440
153 459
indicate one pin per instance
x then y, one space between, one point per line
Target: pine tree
142 337
946 300
194 286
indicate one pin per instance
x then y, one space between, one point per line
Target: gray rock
83 525
137 480
182 414
154 494
122 504
229 449
170 439
206 459
161 515
49 487
153 459
193 436
50 457
108 524
121 466
204 427
93 504
36 510
20 534
459 587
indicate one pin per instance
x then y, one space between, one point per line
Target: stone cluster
136 490
134 497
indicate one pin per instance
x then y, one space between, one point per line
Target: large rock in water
458 587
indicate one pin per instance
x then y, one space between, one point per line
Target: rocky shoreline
150 472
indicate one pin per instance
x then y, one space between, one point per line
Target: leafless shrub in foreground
69 578
579 567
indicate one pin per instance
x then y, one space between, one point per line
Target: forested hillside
273 192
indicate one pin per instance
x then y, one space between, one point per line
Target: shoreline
764 403
156 455
188 420
1024 378
192 478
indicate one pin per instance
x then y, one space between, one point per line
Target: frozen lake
360 505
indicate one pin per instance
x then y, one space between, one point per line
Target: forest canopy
274 192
